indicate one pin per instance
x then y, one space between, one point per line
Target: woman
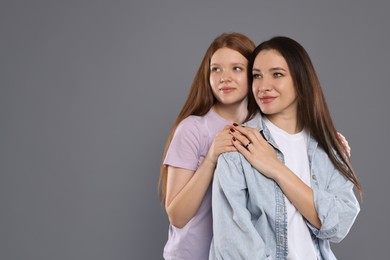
288 191
219 96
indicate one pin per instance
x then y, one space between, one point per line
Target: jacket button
314 177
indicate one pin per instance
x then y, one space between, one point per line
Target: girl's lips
265 100
226 89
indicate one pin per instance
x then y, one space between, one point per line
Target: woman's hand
260 154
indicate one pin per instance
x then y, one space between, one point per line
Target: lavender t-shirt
189 146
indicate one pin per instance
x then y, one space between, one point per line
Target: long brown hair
200 98
313 112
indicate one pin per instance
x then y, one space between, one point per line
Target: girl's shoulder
191 122
209 122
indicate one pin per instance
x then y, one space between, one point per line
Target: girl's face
228 76
273 86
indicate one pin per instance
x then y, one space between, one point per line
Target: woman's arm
336 203
262 156
297 192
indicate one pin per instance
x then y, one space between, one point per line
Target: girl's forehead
225 54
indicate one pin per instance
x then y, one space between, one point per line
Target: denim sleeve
235 237
337 208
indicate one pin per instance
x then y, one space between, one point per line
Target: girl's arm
186 188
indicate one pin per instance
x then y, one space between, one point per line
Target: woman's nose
265 85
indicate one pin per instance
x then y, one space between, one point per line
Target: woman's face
273 86
228 76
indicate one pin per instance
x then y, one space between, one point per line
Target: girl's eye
257 76
215 69
238 69
277 75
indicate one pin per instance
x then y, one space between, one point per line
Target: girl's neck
233 113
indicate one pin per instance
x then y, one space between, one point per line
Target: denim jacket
249 211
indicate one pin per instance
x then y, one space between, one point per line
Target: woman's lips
265 100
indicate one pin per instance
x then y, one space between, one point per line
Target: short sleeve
184 150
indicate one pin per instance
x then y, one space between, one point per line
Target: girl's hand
345 144
260 154
222 143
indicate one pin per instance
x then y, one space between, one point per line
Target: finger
243 139
252 134
225 145
224 138
223 135
344 143
227 127
238 145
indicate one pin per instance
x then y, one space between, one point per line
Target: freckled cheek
244 83
213 81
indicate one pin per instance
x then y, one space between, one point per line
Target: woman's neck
288 124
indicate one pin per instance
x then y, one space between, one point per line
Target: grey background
90 89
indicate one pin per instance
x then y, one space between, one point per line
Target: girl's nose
225 77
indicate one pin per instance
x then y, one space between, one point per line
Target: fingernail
232 130
235 124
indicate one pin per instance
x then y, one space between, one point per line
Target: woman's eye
238 69
278 75
257 76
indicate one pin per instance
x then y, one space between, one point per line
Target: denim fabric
249 212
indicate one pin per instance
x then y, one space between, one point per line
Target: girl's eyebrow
233 63
239 63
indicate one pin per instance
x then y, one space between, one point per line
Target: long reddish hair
200 98
313 112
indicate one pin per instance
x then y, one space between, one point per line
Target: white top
294 149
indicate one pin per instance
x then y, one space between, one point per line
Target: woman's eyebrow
277 68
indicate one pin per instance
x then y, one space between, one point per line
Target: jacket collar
258 123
